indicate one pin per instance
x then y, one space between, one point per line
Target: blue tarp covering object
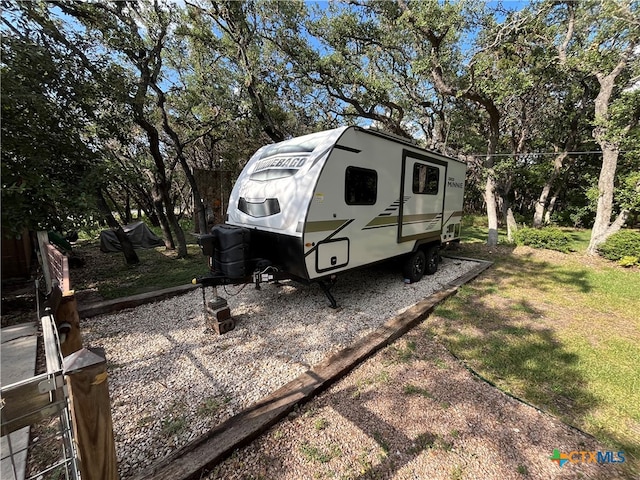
138 233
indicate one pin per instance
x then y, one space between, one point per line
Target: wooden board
195 458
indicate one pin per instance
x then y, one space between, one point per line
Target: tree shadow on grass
527 268
508 341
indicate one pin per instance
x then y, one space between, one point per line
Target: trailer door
422 191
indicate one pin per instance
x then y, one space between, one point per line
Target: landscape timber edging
111 306
199 456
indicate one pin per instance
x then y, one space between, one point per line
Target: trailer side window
360 186
425 179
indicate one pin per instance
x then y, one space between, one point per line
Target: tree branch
562 48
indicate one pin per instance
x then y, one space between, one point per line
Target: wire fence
37 434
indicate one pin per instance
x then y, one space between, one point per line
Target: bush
473 220
549 237
623 246
629 262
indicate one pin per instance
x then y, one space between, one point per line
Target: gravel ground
172 379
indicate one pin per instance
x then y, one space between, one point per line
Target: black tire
432 260
414 266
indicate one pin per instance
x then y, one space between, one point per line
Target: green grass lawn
561 331
159 268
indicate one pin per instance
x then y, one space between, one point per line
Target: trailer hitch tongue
208 281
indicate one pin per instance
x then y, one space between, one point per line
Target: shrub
629 262
622 246
472 220
549 237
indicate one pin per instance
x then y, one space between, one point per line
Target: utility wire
535 153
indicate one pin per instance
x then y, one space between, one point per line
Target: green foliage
173 425
474 221
410 389
624 114
551 238
319 455
629 261
628 192
320 423
623 246
47 162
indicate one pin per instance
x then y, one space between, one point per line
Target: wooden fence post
68 322
86 372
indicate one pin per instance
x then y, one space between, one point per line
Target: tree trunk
144 199
127 208
178 145
492 210
445 88
490 186
200 212
512 226
116 207
127 247
161 184
161 187
198 204
175 226
551 207
541 204
602 227
158 207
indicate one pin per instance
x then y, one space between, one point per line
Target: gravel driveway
172 379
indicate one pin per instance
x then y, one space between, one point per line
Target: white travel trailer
311 207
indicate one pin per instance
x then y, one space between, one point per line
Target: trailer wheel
432 260
414 266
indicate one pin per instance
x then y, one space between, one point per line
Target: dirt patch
18 303
93 267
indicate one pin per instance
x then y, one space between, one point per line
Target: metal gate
42 403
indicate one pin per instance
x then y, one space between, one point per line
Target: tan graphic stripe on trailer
419 218
324 226
392 221
457 213
423 236
385 221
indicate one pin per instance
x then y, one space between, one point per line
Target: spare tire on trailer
414 266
